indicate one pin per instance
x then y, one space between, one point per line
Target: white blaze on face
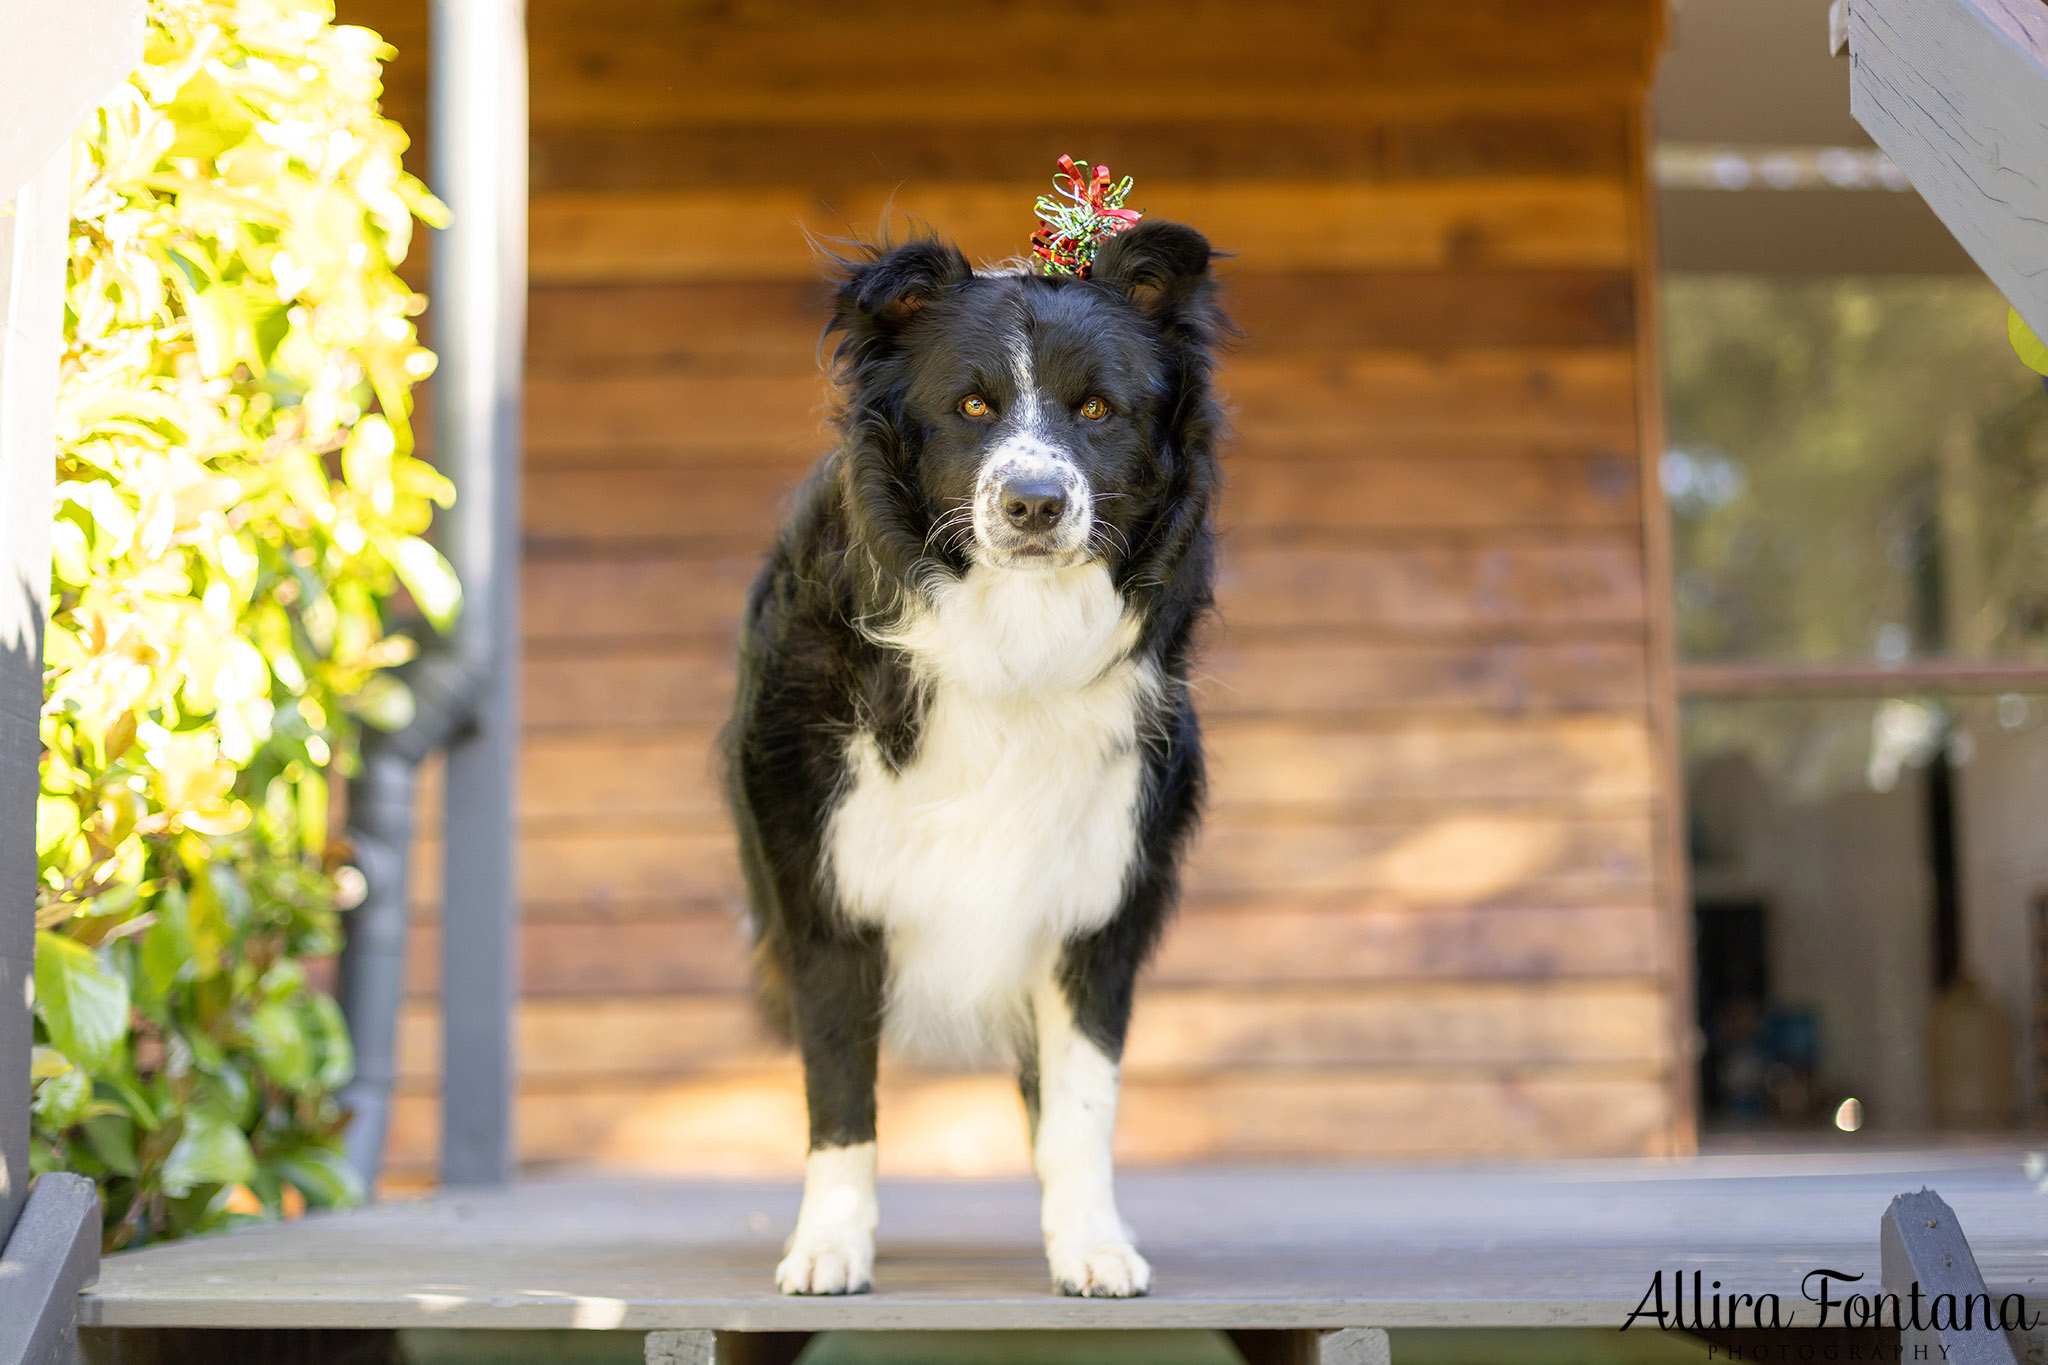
1028 410
1026 452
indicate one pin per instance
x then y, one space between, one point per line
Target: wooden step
1527 1246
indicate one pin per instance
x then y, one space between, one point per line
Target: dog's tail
771 991
771 986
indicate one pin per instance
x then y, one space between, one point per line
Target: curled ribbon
1072 224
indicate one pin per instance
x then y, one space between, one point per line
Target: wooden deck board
1556 1244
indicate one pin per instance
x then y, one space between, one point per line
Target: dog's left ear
1161 267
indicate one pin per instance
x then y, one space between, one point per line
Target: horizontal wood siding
736 1123
1556 221
1424 916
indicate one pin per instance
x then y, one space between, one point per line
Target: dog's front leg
838 1007
1087 1243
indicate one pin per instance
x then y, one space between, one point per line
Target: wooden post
477 128
702 1346
32 237
1953 91
56 63
52 1253
1673 870
1923 1257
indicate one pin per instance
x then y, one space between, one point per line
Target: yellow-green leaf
430 579
61 1100
366 459
2033 353
208 119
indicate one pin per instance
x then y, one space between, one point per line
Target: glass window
1855 467
1857 474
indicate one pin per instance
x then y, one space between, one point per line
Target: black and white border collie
962 760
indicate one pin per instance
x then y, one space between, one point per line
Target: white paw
1107 1270
835 1262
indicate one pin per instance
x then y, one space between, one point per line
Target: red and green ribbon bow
1073 223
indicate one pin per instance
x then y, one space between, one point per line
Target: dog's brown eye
974 405
1095 409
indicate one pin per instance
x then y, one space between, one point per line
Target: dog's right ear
1161 267
891 286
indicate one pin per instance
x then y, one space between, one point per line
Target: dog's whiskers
945 530
1106 529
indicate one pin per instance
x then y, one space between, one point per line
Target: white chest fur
1013 827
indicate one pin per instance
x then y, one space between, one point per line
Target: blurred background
1624 702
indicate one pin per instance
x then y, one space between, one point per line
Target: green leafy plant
237 510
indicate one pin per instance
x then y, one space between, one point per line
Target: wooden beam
1745 678
1953 91
1557 222
57 62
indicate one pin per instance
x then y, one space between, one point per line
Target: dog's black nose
1033 505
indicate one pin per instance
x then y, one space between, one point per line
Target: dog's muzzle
1031 510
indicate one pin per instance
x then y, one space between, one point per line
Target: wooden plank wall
1429 915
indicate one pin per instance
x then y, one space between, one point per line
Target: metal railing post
477 127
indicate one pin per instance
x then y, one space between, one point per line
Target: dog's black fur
869 530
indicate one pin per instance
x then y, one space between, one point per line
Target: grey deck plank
1554 1244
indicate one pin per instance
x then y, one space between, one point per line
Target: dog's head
1028 423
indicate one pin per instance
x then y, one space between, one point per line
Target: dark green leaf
112 1139
166 946
281 1045
210 1150
323 1176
